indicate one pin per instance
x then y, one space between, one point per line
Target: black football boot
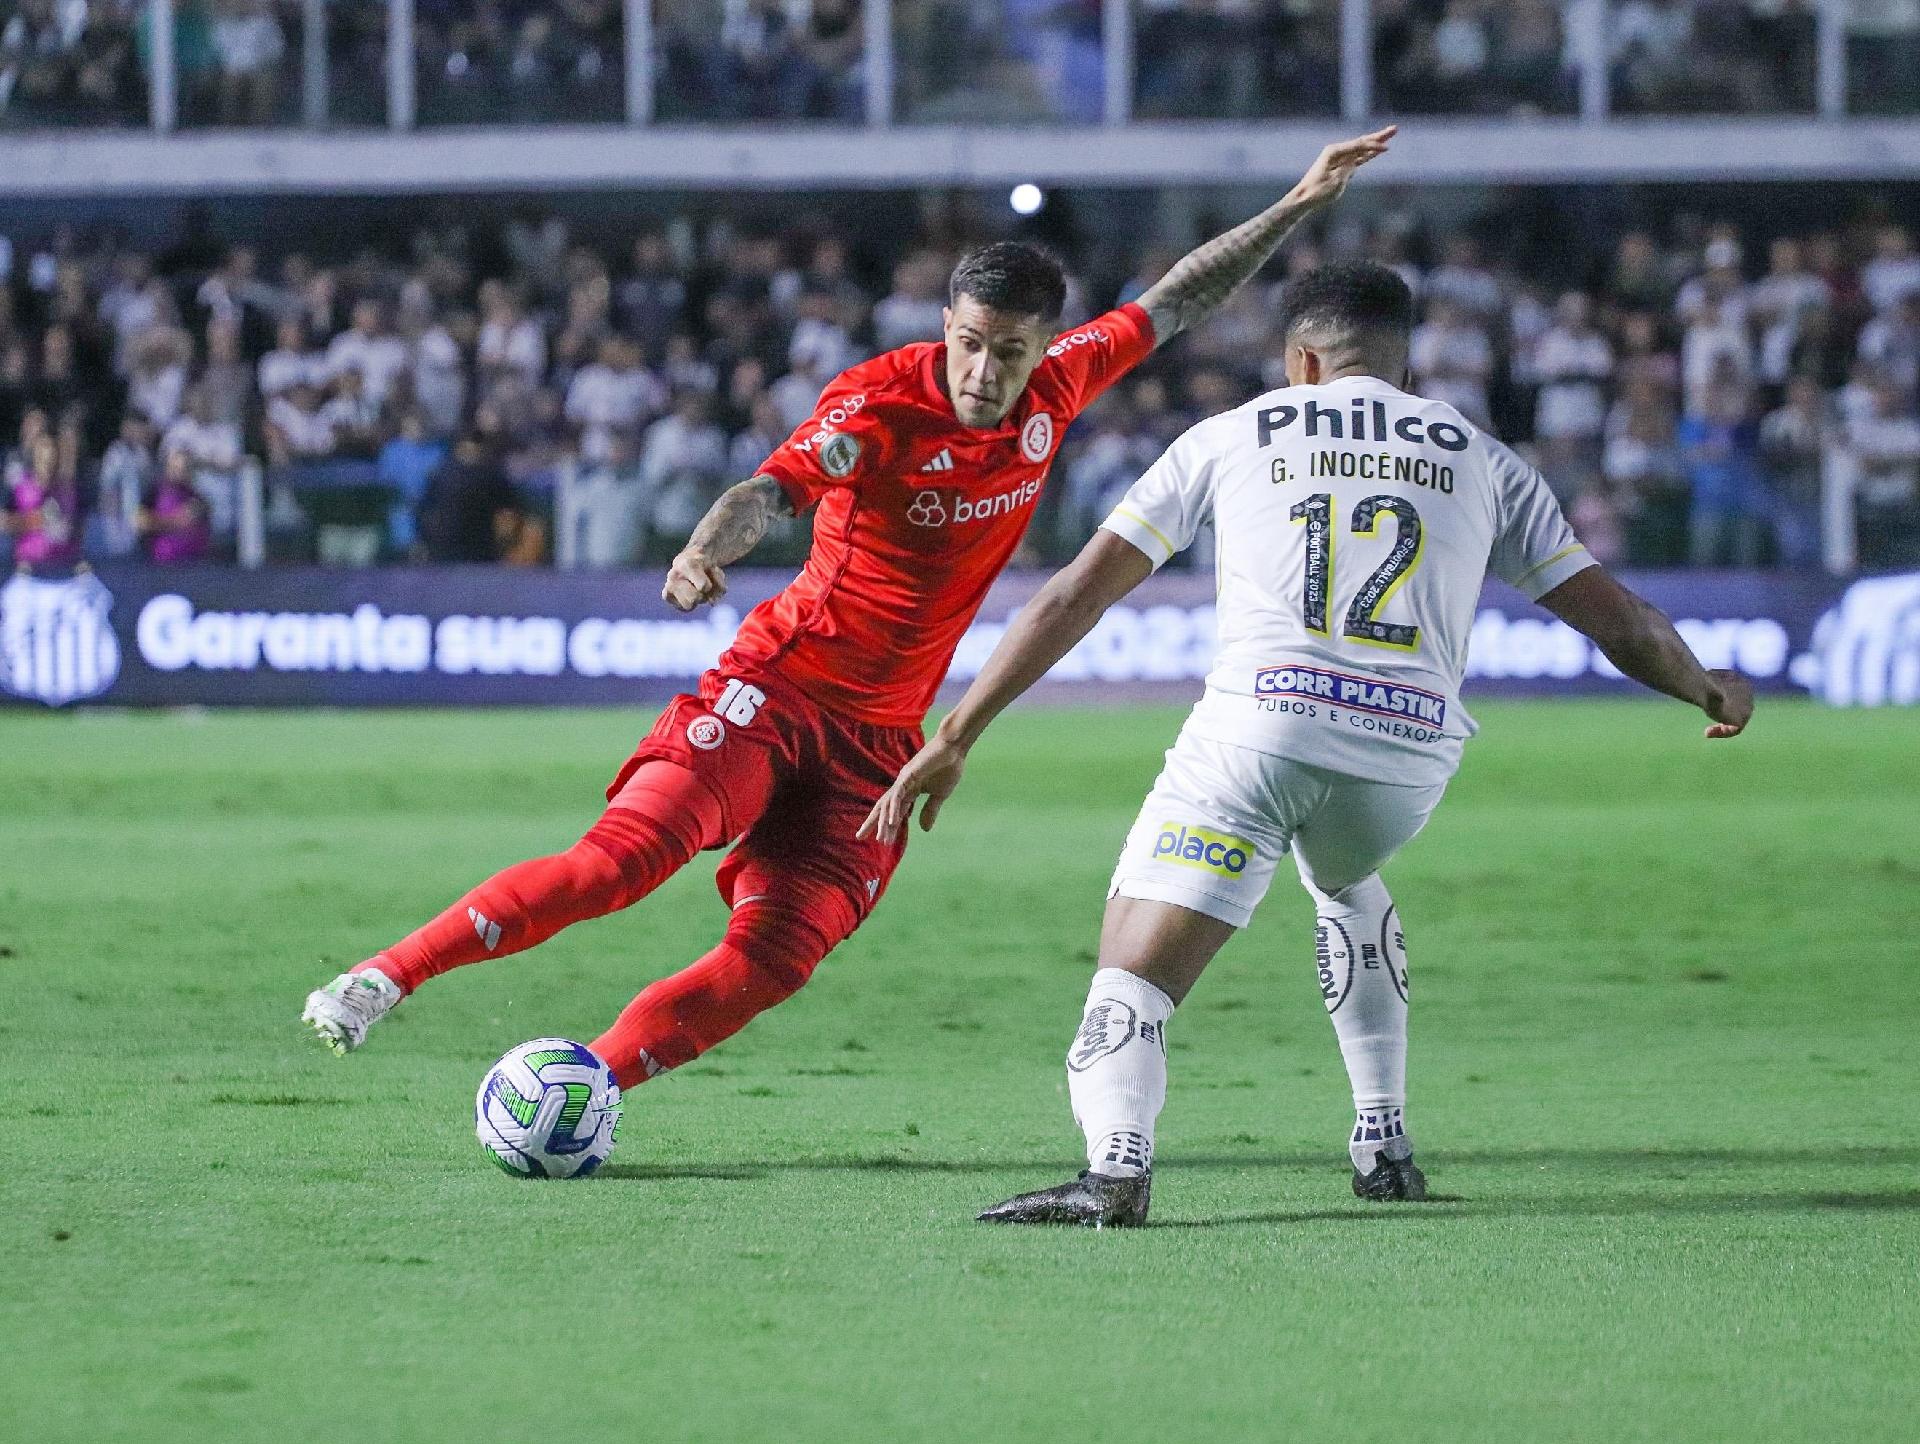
1392 1180
1093 1200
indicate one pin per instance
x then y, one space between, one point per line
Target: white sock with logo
1117 1071
1362 956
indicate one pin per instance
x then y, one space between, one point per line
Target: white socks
1117 1071
1363 979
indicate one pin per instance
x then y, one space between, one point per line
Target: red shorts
794 782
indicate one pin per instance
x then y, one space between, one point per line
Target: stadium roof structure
1433 151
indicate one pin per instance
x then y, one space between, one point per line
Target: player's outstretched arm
1206 276
731 529
1047 628
1638 638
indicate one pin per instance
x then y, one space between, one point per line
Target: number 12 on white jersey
1362 623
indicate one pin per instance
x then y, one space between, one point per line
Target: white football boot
342 1011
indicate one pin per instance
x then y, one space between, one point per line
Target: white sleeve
1164 510
1534 549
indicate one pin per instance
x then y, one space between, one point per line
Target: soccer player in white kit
1354 524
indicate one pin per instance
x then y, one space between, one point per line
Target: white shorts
1220 818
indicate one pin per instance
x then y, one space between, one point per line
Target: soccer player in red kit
924 465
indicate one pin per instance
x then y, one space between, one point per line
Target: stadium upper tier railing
761 70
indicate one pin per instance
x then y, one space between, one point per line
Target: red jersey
918 514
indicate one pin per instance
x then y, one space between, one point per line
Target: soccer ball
548 1109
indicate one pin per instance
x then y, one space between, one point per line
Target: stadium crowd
84 62
463 403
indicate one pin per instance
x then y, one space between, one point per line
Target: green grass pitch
1663 1067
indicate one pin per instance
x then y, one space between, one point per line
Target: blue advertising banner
145 636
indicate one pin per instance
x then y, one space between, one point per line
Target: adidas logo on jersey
942 462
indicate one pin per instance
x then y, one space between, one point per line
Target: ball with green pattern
548 1109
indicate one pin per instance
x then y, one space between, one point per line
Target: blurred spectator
226 380
157 382
174 519
611 508
612 393
369 351
291 362
406 464
1894 272
298 427
42 512
1794 440
209 442
249 44
1729 511
469 512
1573 363
1451 359
1885 445
912 311
1890 342
649 302
126 470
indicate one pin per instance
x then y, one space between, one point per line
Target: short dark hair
1360 299
1011 276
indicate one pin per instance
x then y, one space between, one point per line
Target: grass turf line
1662 1056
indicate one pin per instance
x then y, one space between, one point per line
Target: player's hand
1731 705
933 774
691 580
1326 179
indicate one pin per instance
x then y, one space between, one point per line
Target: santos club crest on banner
56 644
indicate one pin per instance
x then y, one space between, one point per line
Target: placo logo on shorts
706 733
1362 694
1209 851
1036 437
56 645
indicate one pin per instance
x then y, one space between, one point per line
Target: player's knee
592 875
636 850
1367 895
782 944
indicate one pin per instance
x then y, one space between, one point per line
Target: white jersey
1354 525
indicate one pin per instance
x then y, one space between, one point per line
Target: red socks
768 953
663 817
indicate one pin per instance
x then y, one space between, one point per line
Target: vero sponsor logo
1215 852
839 414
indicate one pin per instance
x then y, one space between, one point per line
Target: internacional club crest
56 644
1036 437
706 733
928 510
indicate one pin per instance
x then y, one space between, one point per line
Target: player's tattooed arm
731 529
1201 280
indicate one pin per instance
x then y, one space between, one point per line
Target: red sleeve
841 444
1085 361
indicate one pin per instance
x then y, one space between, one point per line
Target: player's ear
946 318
